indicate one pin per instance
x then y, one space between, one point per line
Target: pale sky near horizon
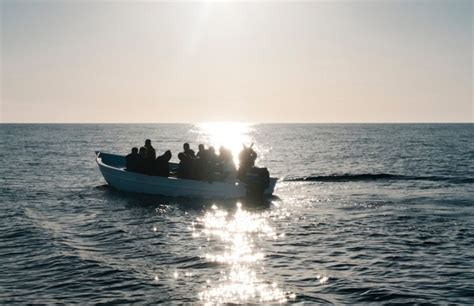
316 61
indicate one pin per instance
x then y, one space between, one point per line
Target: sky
312 61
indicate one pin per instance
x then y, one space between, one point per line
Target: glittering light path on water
239 232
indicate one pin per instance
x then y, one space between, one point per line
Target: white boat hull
113 170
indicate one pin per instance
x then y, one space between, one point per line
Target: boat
113 170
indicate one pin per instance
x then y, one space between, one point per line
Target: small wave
379 177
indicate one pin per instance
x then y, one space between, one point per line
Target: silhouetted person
201 167
212 163
188 151
142 152
222 157
227 169
132 160
162 166
256 179
247 159
202 152
185 166
212 154
141 160
150 151
150 155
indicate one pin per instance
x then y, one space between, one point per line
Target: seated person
188 151
212 156
141 160
150 155
227 169
150 151
247 159
200 166
162 166
185 166
202 152
132 160
212 162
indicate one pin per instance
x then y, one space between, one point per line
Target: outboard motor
257 180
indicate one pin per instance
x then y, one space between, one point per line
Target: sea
362 213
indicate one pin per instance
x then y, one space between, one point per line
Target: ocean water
377 213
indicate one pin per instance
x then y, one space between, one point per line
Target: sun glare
231 135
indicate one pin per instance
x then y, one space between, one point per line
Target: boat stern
271 188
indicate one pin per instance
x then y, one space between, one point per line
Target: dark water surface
365 213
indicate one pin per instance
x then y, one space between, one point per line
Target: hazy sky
316 61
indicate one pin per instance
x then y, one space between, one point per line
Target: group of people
145 161
205 165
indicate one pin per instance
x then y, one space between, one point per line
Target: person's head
147 142
134 150
186 146
181 156
142 151
222 150
201 147
212 150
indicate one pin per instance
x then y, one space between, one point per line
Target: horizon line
246 122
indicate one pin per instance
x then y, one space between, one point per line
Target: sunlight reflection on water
240 232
